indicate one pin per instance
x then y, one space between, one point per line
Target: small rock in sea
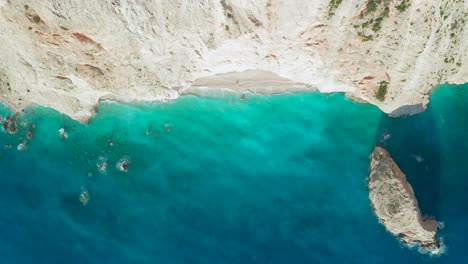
102 165
395 205
122 164
10 125
84 196
30 134
386 136
21 146
167 127
24 124
63 133
418 158
8 146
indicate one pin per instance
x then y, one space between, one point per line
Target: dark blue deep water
271 179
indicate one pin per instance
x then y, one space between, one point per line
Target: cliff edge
71 54
395 205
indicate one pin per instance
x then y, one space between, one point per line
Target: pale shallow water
271 179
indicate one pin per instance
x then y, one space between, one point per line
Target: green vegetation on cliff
382 92
333 6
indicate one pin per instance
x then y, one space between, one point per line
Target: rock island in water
395 204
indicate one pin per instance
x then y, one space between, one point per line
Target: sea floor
268 179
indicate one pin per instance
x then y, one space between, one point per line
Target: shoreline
210 89
218 85
233 83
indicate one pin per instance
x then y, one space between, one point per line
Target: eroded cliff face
395 205
69 54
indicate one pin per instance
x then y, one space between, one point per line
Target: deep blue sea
268 179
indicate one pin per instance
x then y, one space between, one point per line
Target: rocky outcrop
395 204
70 54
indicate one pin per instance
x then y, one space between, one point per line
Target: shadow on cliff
414 144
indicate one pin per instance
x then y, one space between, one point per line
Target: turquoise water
271 179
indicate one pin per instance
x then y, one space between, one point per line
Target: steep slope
70 54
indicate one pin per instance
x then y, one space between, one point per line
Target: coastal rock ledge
395 205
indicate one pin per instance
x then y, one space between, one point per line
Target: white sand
254 81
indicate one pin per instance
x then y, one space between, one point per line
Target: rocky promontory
395 204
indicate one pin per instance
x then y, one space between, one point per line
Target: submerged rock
84 196
123 163
21 146
63 133
30 134
9 125
395 204
102 165
168 128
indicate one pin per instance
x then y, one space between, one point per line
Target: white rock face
395 205
69 54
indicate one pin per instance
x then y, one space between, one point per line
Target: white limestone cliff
71 54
